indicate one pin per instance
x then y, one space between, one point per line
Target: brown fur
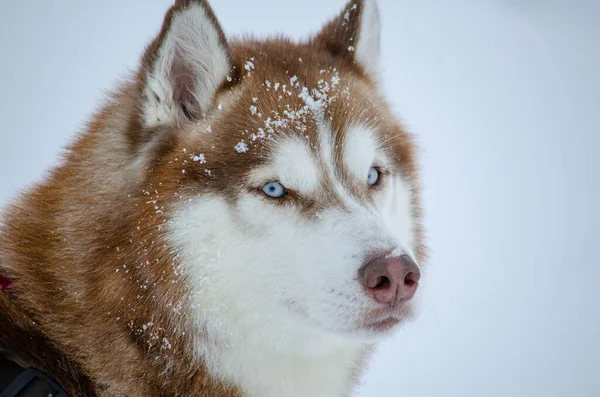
90 260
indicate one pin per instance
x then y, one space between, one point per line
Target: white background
504 96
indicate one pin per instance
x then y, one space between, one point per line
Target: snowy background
505 98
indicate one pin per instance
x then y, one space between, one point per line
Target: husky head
292 190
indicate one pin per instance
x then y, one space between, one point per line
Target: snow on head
249 65
318 98
241 147
199 158
314 105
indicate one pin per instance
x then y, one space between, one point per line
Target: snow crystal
253 110
220 106
261 134
249 65
199 158
314 100
335 80
241 147
146 326
350 48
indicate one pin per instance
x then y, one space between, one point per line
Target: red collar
5 282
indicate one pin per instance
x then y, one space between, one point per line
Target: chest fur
259 372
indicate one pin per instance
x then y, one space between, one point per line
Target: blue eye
274 189
373 176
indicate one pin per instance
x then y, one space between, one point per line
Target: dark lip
377 320
385 311
382 319
383 325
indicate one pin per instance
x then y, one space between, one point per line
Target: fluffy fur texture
151 262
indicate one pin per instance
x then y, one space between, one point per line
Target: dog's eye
373 176
274 189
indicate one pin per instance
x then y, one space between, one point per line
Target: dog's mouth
383 325
374 321
384 320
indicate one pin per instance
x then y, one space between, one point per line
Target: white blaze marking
359 151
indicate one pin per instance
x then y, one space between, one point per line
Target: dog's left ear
184 66
354 35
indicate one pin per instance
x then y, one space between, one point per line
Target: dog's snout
390 280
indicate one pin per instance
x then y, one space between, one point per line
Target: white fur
294 165
276 291
192 40
359 151
326 150
396 208
367 49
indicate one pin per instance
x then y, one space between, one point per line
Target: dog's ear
184 66
354 35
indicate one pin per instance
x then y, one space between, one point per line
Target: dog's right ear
354 35
184 66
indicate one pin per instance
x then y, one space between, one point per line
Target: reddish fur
69 312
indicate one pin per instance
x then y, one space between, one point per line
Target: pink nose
390 280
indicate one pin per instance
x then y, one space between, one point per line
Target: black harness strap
16 381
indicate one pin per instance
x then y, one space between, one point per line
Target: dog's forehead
289 89
294 116
305 125
294 96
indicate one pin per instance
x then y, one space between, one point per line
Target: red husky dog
241 218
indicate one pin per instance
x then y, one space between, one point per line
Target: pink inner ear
184 81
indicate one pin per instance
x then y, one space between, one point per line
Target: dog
240 218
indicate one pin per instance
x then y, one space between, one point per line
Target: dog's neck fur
275 374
